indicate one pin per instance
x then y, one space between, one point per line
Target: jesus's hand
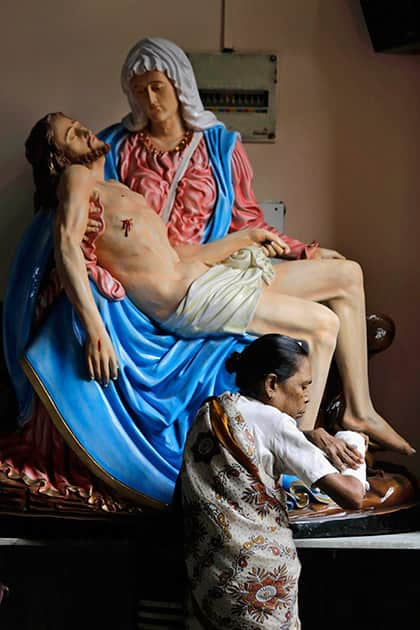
93 226
272 245
101 357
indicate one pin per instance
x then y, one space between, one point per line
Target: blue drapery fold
24 279
135 429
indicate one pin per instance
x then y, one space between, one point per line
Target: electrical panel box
241 90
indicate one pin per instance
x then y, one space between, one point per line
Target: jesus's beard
93 155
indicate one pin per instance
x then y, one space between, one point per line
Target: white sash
182 166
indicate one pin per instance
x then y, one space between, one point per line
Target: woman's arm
297 455
345 490
74 193
349 486
340 453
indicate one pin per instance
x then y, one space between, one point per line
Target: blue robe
132 433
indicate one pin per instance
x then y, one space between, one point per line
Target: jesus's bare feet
379 431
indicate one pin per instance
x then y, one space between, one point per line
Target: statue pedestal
26 510
391 505
400 519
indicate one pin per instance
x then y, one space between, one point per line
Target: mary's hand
272 245
101 357
93 226
340 454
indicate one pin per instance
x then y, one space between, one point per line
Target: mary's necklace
180 146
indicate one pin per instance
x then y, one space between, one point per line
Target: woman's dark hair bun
272 353
232 362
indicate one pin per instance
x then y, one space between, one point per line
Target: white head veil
157 53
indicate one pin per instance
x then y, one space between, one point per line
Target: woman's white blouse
280 445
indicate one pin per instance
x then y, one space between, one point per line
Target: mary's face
292 396
156 95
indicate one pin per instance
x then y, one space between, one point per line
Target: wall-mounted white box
274 212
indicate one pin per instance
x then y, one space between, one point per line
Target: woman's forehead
304 371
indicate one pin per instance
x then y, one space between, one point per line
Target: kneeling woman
240 556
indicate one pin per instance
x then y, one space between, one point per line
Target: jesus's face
76 141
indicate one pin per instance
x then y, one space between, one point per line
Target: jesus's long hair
48 160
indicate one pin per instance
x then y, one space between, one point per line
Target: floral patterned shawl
240 556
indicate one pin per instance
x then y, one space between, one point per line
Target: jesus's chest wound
126 225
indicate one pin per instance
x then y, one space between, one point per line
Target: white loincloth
223 300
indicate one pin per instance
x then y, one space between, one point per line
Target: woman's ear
270 382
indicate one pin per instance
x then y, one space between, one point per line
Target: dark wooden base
404 518
401 519
94 581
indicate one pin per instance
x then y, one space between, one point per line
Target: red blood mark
99 345
127 225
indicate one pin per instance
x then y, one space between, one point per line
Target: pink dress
150 173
